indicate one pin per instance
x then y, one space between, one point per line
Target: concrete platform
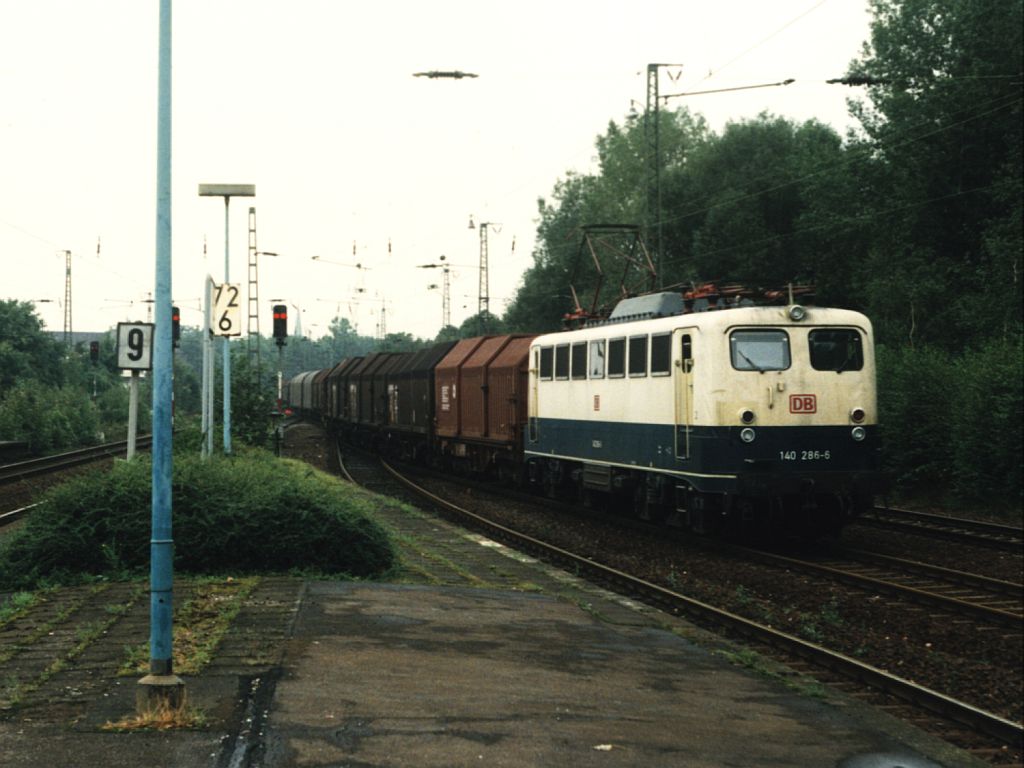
379 675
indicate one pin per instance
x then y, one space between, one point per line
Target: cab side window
579 360
637 355
616 358
547 363
661 354
562 361
597 359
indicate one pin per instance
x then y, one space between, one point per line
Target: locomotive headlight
858 433
857 415
796 313
747 416
747 435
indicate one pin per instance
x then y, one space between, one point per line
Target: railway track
993 535
983 732
958 593
12 473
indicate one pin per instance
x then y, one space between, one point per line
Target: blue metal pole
161 543
227 346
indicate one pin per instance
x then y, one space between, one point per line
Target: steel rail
974 580
12 473
960 712
6 518
953 528
921 595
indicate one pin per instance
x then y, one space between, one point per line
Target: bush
986 442
915 390
248 513
49 418
953 423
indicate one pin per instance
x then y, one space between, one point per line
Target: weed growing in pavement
200 623
162 717
16 605
745 657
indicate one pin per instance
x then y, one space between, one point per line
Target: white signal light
796 313
858 433
747 435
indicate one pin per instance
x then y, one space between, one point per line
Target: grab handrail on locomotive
719 409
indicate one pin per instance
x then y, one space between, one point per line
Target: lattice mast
67 298
253 338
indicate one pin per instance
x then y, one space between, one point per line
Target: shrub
915 390
986 442
952 423
249 513
49 418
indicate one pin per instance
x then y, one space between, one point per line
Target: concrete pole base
159 694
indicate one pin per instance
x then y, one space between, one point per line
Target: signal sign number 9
135 346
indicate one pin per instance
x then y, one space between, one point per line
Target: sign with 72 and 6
227 309
135 346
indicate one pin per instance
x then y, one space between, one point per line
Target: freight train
719 416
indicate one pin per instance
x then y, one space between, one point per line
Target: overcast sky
314 102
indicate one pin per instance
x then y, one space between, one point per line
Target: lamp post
227 191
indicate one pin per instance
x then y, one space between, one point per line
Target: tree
26 350
757 181
942 122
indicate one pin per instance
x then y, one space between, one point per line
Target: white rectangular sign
135 346
227 309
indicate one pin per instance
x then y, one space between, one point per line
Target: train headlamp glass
858 433
857 415
747 435
797 313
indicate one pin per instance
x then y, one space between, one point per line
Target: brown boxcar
363 379
411 390
507 391
318 401
473 402
337 392
383 374
447 385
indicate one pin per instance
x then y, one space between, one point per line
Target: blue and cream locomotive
746 416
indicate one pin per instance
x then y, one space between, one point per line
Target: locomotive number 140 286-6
805 455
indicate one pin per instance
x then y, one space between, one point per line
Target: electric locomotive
742 418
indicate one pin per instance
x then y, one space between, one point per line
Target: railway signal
281 324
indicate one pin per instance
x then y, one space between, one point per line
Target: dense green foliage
48 418
45 389
251 513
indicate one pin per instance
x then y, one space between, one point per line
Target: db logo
803 403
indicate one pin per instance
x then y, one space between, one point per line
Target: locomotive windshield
759 350
836 349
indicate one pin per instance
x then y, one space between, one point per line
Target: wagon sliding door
684 340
